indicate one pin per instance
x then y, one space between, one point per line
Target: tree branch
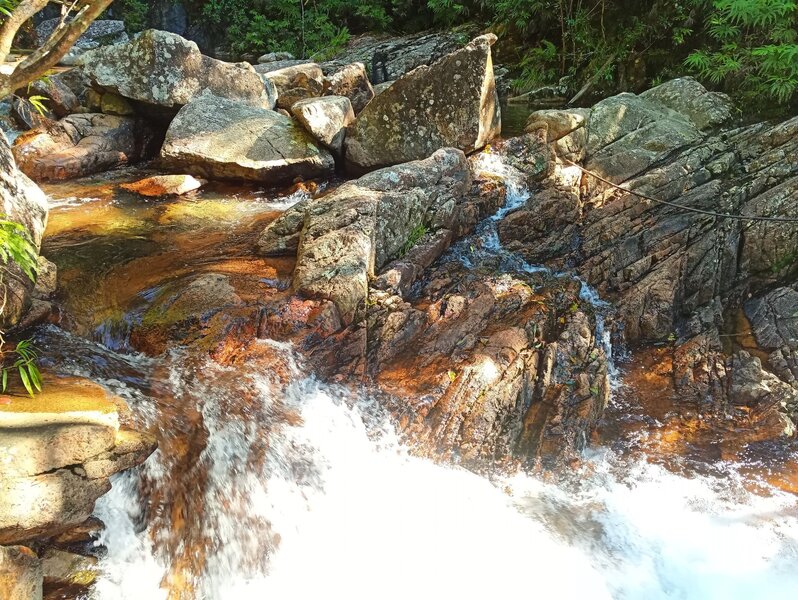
24 11
59 43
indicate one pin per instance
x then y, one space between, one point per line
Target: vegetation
16 247
21 359
745 47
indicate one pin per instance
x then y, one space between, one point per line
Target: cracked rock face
659 263
449 104
774 321
165 70
219 138
344 237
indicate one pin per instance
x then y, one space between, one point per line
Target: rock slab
451 103
219 138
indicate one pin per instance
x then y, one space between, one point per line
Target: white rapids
373 521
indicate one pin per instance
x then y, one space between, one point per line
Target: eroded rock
58 451
348 234
83 144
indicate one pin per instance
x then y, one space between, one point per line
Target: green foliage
6 7
753 48
415 236
135 14
22 361
38 103
16 246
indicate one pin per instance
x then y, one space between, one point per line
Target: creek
269 483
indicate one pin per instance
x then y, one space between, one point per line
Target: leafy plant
24 356
38 103
753 48
7 7
17 247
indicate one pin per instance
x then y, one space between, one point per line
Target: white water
370 521
358 518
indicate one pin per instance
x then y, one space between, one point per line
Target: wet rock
46 279
352 81
23 202
82 144
164 185
218 138
164 70
53 448
102 32
20 574
180 312
347 235
774 321
451 103
477 367
295 83
325 119
66 568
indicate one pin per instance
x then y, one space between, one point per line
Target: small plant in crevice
419 231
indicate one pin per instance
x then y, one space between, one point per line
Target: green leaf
23 375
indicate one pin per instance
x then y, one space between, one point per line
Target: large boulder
165 70
294 83
388 58
102 32
219 138
23 202
352 81
83 144
326 119
344 237
452 103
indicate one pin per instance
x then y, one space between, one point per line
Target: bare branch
59 43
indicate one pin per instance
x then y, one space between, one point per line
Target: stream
271 484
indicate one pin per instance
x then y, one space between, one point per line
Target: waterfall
355 516
271 484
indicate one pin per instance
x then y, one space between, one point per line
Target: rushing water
270 484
